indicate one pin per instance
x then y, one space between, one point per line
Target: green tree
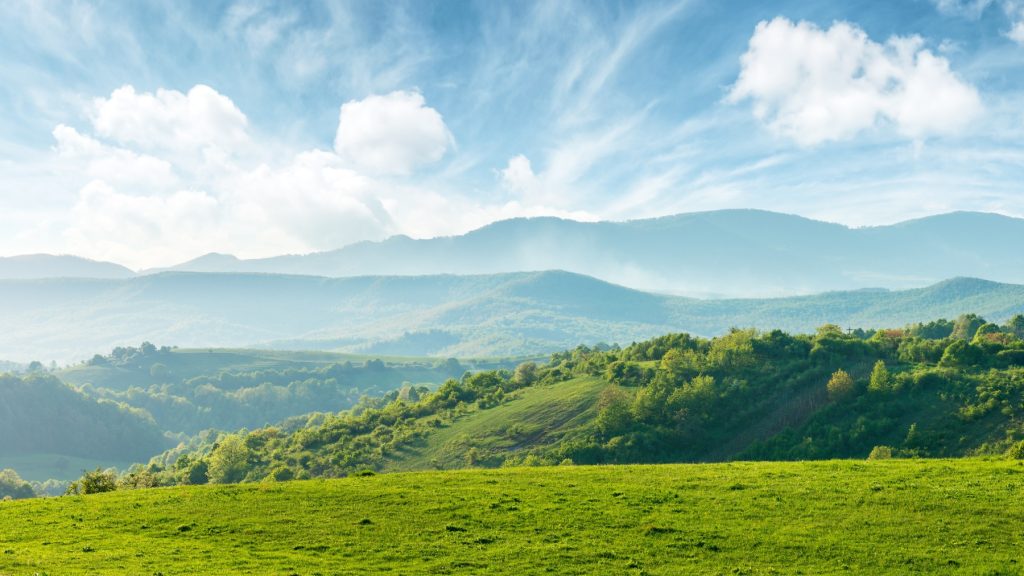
94 482
525 374
1015 326
840 385
966 326
229 461
880 381
613 416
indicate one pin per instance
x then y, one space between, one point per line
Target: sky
149 133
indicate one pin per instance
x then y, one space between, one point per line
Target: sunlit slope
538 416
836 517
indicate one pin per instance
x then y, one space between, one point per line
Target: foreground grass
898 517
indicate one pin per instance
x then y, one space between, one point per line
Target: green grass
539 415
834 517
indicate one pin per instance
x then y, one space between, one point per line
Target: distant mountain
723 253
49 266
443 315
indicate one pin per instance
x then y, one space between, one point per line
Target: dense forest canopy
41 414
944 388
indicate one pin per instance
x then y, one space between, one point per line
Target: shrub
880 453
95 482
1016 451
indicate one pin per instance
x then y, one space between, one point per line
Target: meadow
961 516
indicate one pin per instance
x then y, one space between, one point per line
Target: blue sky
149 133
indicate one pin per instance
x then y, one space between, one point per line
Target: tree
525 374
94 482
1015 326
840 385
881 381
966 326
229 461
13 487
613 416
960 354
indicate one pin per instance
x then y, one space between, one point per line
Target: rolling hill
740 253
468 316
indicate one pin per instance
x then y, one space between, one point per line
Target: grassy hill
833 517
440 316
538 416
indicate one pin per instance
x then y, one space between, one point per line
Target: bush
880 453
1016 451
95 482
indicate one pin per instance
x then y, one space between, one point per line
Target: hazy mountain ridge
60 266
725 253
442 315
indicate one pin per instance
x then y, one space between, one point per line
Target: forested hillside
945 388
191 390
40 414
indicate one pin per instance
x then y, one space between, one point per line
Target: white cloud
171 120
814 85
314 201
107 163
391 134
142 230
154 208
518 176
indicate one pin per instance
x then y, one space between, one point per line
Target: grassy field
835 517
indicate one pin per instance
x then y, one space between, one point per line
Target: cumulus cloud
518 176
170 120
108 163
112 225
144 203
391 134
814 85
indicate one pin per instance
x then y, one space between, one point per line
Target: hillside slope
40 414
465 316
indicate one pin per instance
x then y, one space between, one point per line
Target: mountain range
441 315
727 253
